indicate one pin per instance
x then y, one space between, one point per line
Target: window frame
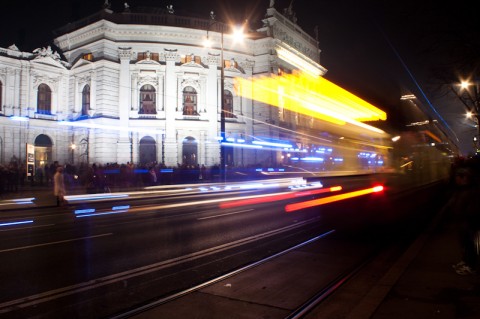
145 91
44 99
190 107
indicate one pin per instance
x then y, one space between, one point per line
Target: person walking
59 186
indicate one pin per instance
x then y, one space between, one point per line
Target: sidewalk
423 283
28 195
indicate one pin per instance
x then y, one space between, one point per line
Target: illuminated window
147 100
230 64
189 101
85 99
147 56
44 99
88 57
281 71
190 58
228 104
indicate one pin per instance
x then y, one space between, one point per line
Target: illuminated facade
142 88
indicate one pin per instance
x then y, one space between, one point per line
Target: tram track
376 262
155 309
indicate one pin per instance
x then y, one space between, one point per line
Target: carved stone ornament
87 79
229 86
213 59
46 52
171 55
281 34
13 47
191 82
247 64
125 53
51 82
147 80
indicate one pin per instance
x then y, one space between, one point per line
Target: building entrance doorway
148 150
189 152
43 151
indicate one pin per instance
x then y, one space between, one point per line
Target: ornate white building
142 87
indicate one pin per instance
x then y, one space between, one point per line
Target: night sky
376 49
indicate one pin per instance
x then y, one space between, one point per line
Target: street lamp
238 34
468 93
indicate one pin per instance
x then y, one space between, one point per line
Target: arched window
43 151
1 96
228 104
85 99
44 99
147 100
189 101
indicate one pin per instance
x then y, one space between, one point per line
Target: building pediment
81 62
148 62
49 62
48 57
192 64
233 69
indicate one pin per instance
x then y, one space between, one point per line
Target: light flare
335 198
269 198
313 96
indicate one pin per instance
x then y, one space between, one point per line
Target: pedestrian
152 176
203 173
59 186
466 214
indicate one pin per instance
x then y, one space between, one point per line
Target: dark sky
376 49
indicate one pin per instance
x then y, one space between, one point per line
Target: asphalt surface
420 284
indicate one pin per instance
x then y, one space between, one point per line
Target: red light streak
325 200
269 198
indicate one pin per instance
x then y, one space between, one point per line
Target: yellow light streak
330 199
312 96
436 138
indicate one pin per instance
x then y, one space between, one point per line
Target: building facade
143 88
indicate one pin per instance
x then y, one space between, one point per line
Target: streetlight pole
238 34
223 163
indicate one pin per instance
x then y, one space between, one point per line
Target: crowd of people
99 178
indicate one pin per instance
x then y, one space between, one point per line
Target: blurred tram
319 129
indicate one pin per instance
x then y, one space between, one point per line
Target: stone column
124 142
93 92
171 93
212 145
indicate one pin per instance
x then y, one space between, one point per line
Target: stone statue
272 3
107 4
